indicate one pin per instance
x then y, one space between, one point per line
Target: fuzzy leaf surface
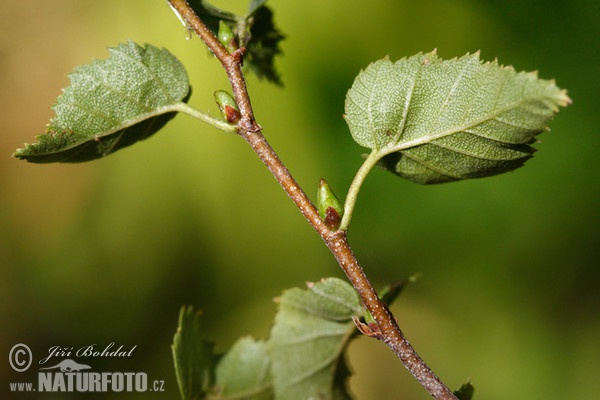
194 357
111 104
311 331
431 120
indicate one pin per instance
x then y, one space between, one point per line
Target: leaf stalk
355 186
195 113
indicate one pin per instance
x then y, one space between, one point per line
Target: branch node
370 329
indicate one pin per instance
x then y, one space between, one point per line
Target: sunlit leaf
194 357
112 104
311 330
433 121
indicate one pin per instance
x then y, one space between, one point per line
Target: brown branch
336 241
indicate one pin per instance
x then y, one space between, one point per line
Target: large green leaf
433 121
111 104
311 331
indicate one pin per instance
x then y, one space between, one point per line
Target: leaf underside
311 331
431 120
303 358
111 104
244 372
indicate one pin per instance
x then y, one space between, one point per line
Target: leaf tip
565 100
415 277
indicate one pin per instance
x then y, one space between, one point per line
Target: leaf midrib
126 124
394 147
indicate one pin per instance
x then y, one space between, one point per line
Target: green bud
330 208
228 106
226 37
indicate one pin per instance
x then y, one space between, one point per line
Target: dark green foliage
303 358
465 392
194 357
255 31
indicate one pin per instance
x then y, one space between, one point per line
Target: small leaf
432 121
389 294
194 357
211 15
465 392
244 372
263 46
255 5
311 331
255 31
112 104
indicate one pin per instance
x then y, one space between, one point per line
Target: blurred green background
108 251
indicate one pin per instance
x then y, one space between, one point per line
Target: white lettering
141 382
57 351
118 381
59 383
92 382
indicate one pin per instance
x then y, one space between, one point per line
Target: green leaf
194 357
244 372
255 5
389 294
311 331
432 121
304 357
263 46
465 392
255 31
112 104
211 15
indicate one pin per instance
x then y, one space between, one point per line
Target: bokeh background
108 251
